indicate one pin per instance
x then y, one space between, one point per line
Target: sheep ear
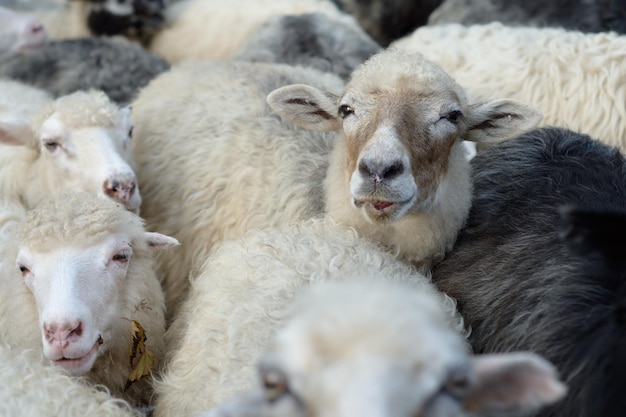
512 383
499 120
160 241
16 133
306 106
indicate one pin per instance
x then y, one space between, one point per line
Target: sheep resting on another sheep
74 273
240 298
390 148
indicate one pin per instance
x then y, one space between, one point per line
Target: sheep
137 20
113 65
33 389
388 20
310 39
75 273
233 165
19 33
575 79
78 142
215 29
240 297
583 15
523 281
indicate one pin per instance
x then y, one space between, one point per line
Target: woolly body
575 79
520 285
30 388
242 296
115 66
215 29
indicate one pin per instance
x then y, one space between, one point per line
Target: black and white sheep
525 281
384 154
113 65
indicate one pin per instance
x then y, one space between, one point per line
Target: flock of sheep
312 208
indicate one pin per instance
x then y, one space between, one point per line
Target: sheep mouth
83 363
380 211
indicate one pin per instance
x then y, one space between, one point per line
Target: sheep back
214 161
518 283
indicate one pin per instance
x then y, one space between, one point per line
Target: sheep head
376 349
85 260
80 143
400 117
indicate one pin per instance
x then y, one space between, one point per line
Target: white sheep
79 142
30 388
241 296
74 274
574 78
19 33
395 169
374 349
217 29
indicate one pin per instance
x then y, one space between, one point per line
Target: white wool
242 296
31 388
217 29
576 79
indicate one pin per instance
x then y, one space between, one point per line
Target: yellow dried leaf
136 350
137 341
143 368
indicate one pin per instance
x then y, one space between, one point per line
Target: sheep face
91 158
81 144
135 19
81 279
19 33
401 119
387 352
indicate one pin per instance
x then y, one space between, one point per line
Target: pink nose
120 191
36 28
64 334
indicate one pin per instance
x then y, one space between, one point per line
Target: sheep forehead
393 69
337 327
76 220
83 109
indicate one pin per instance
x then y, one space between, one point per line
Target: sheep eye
130 132
121 257
274 384
453 116
51 145
457 383
345 111
23 269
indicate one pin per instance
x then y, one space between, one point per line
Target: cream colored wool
30 388
576 79
71 221
217 29
213 161
242 296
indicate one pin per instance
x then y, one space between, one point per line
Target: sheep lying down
376 348
77 286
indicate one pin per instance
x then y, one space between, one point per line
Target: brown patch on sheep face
419 123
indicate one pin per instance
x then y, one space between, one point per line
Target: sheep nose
63 334
36 28
120 191
378 171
